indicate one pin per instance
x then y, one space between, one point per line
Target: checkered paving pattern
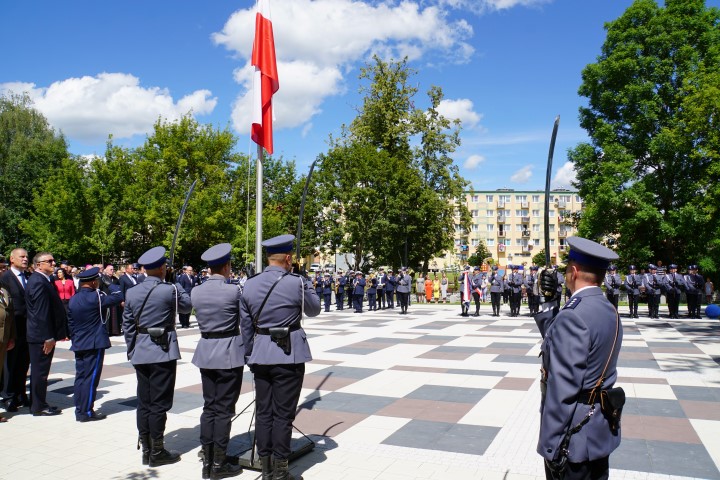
426 395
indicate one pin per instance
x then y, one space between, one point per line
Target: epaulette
574 302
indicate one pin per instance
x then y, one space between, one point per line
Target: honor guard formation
257 321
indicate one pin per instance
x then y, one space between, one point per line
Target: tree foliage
650 175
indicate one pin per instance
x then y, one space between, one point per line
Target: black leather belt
266 331
145 330
584 397
227 334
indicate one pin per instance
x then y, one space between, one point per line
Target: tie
22 279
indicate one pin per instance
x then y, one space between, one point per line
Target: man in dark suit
187 280
46 323
14 281
129 279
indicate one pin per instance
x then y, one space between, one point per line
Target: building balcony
501 203
501 248
524 205
563 234
527 248
501 233
560 204
526 233
525 219
565 220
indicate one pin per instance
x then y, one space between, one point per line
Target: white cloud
565 176
461 109
483 6
523 175
90 108
473 161
317 41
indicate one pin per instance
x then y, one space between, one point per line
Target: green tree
30 151
649 176
480 254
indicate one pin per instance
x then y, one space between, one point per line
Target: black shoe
48 412
159 456
93 417
12 406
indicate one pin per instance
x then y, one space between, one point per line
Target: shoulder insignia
574 302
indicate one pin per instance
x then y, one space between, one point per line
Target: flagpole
259 210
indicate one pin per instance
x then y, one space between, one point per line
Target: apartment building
511 224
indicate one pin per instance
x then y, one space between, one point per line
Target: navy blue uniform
86 323
358 293
327 288
340 295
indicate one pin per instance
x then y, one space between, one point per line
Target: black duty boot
159 456
267 469
221 467
281 471
206 455
144 443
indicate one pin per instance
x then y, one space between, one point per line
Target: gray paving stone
352 403
653 407
448 394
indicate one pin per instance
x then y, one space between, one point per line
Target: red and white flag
265 81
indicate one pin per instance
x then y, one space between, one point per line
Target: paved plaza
428 395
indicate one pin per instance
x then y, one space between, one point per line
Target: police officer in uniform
390 284
694 285
380 290
372 293
350 287
653 284
90 339
327 284
515 282
532 289
612 285
276 349
220 356
404 283
581 343
496 290
149 326
476 286
633 281
674 286
340 294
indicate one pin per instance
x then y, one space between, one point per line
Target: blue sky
507 68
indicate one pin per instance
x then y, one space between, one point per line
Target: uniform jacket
372 289
46 316
693 283
159 311
653 283
530 283
515 281
282 309
496 283
359 286
632 283
404 282
390 282
85 323
612 283
342 281
674 283
217 309
576 345
328 285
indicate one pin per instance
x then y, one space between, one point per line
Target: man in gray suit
633 281
276 349
220 357
581 343
496 290
149 326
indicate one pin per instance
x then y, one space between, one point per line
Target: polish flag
265 81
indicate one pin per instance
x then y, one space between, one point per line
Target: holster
159 336
611 405
281 336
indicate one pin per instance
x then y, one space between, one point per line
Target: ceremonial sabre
547 191
302 210
177 227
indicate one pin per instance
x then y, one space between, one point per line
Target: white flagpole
258 211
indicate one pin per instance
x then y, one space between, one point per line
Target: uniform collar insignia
572 303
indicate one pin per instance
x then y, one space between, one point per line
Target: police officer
653 284
327 288
581 343
276 350
476 286
372 293
515 282
340 294
404 284
390 284
465 291
531 287
380 290
674 286
633 281
612 285
358 291
220 357
318 282
496 290
149 326
90 339
694 285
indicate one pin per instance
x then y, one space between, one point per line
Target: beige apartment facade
511 224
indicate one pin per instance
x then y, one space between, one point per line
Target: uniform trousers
591 470
380 298
350 295
39 371
88 369
372 303
476 298
515 298
221 390
156 386
633 303
495 299
692 305
403 298
326 297
340 300
653 305
18 362
358 302
389 297
673 302
613 299
184 320
277 391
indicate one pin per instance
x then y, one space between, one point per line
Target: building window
490 227
577 199
475 199
552 242
508 242
552 228
536 227
518 241
507 213
536 242
565 198
475 227
536 213
474 242
518 227
474 213
536 198
552 213
504 198
490 242
490 213
489 198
